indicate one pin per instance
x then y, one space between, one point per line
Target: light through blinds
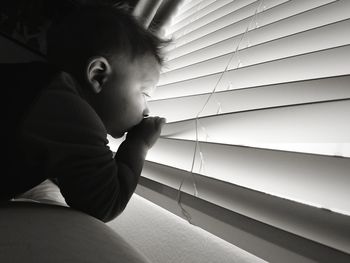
257 99
285 92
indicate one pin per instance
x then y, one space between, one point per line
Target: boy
105 66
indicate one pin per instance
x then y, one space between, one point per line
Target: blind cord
197 123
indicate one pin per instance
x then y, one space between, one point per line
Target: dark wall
14 52
27 20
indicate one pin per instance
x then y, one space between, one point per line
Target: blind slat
322 64
265 208
180 20
313 18
324 124
189 8
204 16
266 171
187 107
263 240
252 51
238 24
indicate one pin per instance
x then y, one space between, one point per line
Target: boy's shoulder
62 104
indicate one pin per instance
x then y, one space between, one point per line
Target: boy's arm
71 145
103 188
132 152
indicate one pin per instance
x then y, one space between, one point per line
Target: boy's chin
117 135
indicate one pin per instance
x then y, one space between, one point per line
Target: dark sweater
54 133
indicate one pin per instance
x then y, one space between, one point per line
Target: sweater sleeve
66 137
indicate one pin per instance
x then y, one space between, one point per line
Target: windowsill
254 221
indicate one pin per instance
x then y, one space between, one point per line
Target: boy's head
115 60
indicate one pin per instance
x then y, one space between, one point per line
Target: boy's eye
146 94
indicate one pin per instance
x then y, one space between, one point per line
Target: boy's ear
97 73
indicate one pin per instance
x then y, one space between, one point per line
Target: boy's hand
148 130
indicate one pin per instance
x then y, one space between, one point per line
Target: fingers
162 121
149 130
159 122
154 130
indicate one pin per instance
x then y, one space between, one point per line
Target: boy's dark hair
101 30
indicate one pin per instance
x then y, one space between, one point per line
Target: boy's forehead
145 67
149 61
150 70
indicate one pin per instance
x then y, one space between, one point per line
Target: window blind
257 98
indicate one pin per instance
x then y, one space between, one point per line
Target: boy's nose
146 112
